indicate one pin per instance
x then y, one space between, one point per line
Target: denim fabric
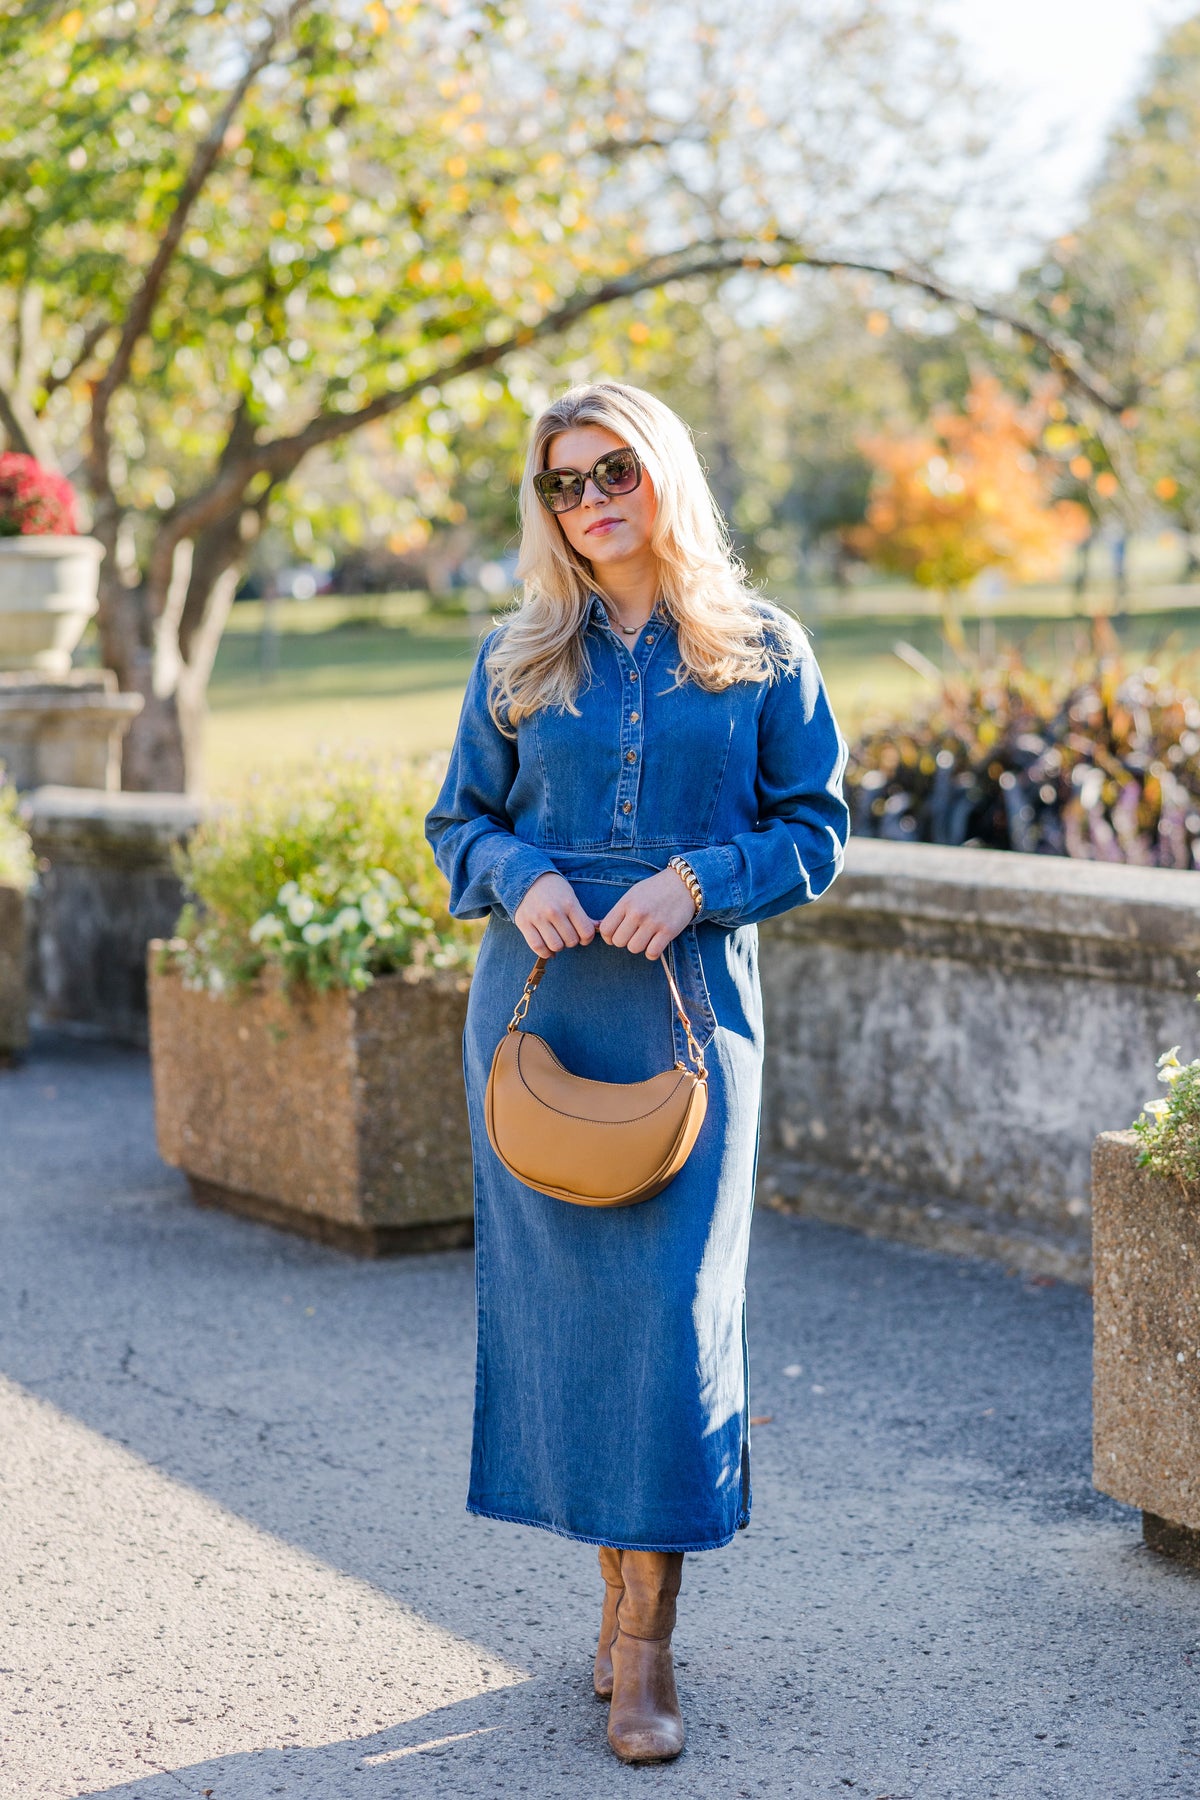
611 1379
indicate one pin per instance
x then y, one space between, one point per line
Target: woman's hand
550 917
649 914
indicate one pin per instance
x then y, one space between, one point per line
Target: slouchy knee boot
644 1721
614 1587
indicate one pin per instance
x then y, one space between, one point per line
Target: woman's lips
604 525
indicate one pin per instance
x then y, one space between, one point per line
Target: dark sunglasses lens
559 492
618 473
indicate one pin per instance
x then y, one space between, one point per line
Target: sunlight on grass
387 674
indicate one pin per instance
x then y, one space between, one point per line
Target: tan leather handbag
594 1143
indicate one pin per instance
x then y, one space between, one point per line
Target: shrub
325 878
1101 761
34 501
16 850
1169 1127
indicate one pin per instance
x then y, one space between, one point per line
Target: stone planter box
1146 1359
341 1116
14 1009
48 586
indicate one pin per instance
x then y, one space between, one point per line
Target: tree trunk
164 648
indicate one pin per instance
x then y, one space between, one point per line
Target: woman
646 764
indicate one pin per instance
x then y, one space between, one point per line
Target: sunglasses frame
584 476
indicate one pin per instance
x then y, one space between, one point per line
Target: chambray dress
611 1373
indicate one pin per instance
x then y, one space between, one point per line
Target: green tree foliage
1125 286
235 236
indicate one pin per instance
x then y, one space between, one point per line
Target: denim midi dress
611 1388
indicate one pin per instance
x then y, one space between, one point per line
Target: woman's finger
565 927
550 934
585 926
639 938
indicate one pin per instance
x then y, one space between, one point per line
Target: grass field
387 673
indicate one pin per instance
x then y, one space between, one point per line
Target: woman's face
607 532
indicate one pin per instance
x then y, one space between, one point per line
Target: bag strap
694 1050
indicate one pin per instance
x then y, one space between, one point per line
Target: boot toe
647 1740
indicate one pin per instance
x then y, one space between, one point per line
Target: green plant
1169 1127
326 879
1100 760
16 850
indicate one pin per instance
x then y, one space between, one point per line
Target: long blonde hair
539 657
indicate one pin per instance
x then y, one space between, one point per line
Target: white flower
1156 1108
269 926
316 933
216 982
348 919
287 893
300 908
374 908
1168 1056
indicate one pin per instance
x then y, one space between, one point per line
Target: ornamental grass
1100 759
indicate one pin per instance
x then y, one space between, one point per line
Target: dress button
631 756
633 675
627 806
650 639
634 717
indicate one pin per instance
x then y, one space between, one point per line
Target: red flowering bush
34 500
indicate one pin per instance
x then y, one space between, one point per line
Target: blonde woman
646 765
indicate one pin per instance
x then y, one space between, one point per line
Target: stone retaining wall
948 1030
105 887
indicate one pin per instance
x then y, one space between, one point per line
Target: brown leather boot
644 1720
614 1587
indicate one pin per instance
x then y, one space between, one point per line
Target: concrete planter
48 590
14 1008
1146 1360
341 1116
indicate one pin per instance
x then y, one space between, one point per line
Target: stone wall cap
51 543
48 808
1015 891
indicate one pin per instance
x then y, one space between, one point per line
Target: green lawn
388 673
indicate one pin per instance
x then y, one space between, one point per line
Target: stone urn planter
48 588
1146 1358
14 1004
340 1115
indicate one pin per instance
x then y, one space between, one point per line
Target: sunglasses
616 472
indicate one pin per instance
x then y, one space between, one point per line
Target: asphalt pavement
234 1560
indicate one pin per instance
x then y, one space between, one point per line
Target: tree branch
279 458
91 338
142 306
23 429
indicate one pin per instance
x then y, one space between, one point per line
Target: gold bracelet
687 875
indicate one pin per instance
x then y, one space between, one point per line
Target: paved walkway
234 1560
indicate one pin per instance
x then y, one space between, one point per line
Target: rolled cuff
516 872
718 869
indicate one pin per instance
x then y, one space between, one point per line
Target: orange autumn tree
970 492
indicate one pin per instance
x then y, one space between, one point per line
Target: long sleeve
469 826
795 851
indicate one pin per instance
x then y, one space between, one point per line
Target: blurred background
282 287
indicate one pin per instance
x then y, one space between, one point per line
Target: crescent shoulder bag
593 1143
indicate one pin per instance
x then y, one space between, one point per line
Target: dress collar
597 614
